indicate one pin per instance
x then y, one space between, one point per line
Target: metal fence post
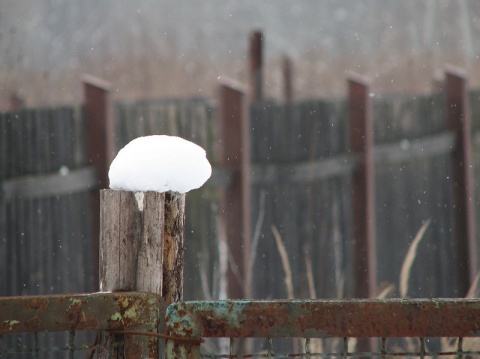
99 134
458 121
287 69
363 191
235 201
256 66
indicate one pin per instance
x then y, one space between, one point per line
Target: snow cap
159 163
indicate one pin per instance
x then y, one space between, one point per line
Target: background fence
300 174
45 216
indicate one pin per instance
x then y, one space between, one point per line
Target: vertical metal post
100 149
235 202
287 79
363 192
16 102
256 66
458 121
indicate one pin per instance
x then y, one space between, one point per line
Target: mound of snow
159 163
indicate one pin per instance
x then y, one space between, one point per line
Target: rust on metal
235 200
363 190
459 122
287 69
97 311
99 130
325 318
256 66
158 335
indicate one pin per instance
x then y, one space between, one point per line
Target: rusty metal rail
383 319
73 313
319 328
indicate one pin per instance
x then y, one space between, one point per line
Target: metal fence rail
400 328
127 325
72 325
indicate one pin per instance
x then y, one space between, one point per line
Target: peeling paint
326 318
130 313
117 317
11 323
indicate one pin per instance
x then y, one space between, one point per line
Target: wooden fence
45 242
288 174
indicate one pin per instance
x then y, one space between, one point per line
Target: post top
455 71
357 78
96 82
232 84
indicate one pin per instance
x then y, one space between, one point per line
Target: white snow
159 163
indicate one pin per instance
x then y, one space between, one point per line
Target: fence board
42 231
291 151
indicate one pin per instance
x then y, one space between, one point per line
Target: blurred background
160 63
178 48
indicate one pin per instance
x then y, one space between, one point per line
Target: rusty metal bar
98 311
362 318
256 66
287 69
99 126
363 191
99 133
235 205
458 121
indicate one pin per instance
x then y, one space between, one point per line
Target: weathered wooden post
141 249
174 224
142 221
458 121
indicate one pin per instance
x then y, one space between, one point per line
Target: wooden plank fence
301 163
44 215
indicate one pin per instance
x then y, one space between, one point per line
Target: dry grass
317 345
285 262
409 259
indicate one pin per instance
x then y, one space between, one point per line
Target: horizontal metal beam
406 150
97 311
302 172
64 181
326 318
342 164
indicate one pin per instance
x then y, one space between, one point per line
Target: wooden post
99 135
458 121
235 200
256 66
141 239
173 247
363 192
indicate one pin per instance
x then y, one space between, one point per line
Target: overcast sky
54 36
